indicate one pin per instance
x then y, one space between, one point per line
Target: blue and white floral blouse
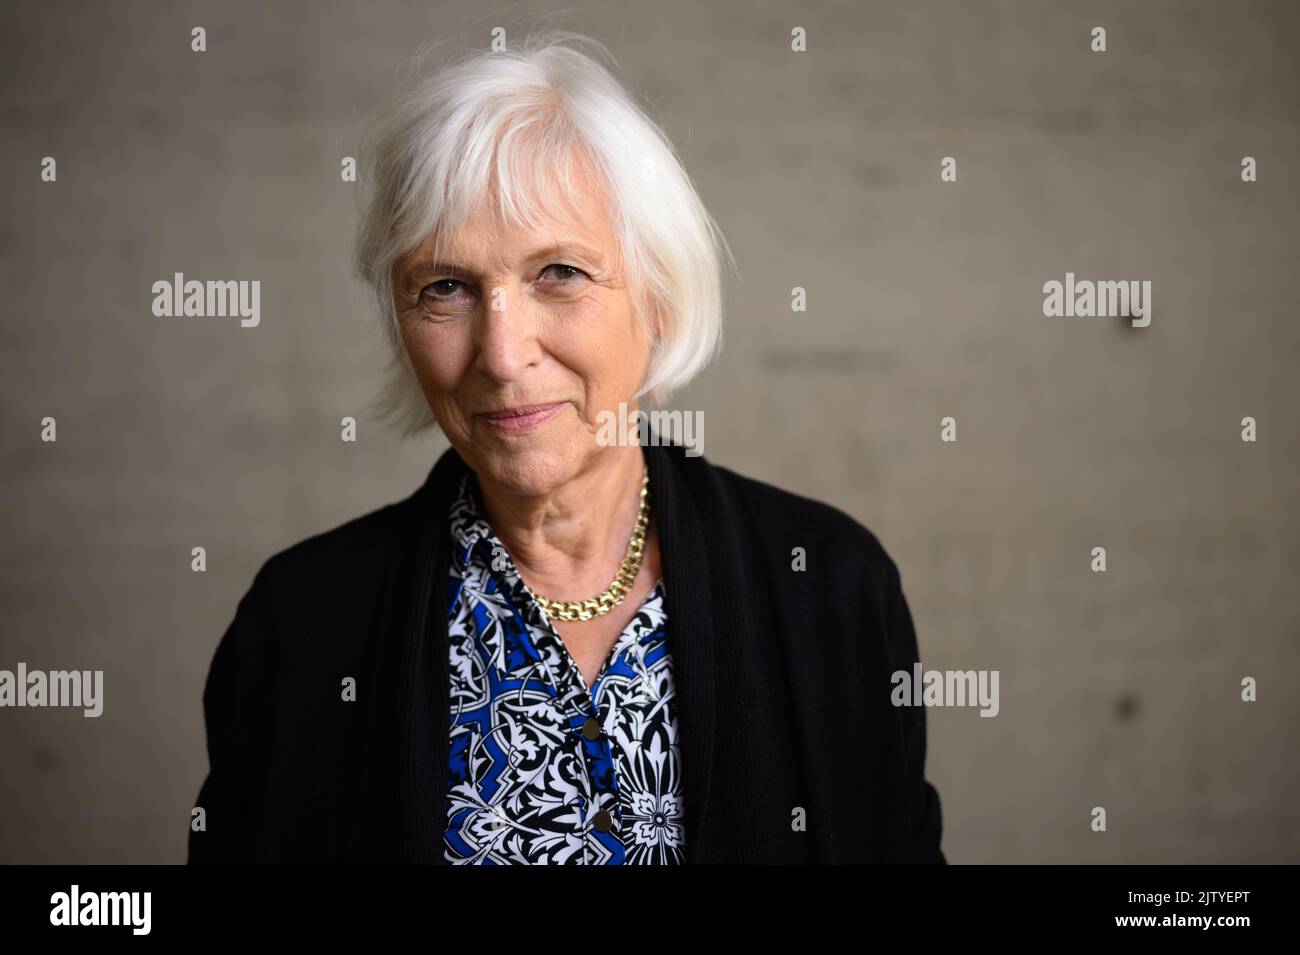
542 769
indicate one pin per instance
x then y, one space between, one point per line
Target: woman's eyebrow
564 247
425 266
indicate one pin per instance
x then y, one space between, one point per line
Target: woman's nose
507 332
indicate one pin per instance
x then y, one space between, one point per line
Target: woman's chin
527 470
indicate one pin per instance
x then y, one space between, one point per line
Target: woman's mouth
523 418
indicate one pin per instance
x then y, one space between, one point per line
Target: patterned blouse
542 769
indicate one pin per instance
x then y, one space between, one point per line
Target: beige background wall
1119 690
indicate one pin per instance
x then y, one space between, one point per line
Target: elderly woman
561 648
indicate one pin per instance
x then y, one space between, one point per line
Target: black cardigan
782 680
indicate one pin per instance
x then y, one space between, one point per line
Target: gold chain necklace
614 595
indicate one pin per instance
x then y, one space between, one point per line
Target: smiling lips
523 418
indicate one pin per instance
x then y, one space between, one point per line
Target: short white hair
515 121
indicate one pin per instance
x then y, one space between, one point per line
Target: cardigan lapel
691 632
415 665
422 730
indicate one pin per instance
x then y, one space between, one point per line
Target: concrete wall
925 299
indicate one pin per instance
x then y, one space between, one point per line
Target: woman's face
519 319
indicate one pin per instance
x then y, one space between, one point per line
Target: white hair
514 123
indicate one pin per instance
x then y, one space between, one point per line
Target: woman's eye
564 273
443 288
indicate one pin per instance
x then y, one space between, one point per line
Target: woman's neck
568 543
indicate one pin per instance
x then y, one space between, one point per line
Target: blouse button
591 729
602 820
